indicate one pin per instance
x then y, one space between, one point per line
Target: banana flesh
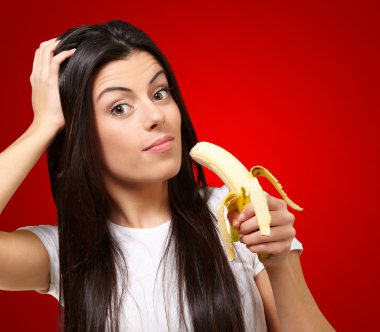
244 188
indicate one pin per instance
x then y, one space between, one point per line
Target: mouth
160 145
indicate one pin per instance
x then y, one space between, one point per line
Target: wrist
48 127
43 133
279 266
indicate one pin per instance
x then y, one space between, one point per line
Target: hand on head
44 81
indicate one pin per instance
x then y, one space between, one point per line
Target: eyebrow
123 88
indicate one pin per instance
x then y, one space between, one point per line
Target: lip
161 144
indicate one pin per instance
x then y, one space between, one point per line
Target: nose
154 115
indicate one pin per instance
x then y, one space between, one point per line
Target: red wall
289 85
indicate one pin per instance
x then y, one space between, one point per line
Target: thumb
232 217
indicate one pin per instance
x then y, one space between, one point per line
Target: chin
172 170
154 173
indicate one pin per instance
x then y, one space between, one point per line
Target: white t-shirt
150 304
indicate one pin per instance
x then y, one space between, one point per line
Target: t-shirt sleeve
296 245
49 236
258 266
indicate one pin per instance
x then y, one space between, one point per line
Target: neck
141 206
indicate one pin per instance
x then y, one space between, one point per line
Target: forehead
132 71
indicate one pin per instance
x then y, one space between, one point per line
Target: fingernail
235 224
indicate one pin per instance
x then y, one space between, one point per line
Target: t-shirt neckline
140 231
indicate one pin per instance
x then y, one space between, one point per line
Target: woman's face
132 111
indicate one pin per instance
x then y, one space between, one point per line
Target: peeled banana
243 186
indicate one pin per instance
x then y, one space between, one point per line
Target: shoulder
218 192
216 197
48 234
246 259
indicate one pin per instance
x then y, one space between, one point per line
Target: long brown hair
89 257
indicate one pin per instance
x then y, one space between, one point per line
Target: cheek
177 120
118 148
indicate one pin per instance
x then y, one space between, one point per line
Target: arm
287 298
24 261
19 158
266 292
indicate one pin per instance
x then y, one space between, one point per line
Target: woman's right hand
46 101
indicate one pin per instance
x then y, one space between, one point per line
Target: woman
138 244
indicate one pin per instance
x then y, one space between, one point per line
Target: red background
289 85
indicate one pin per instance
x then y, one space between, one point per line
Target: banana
244 188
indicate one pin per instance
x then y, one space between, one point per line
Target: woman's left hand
277 245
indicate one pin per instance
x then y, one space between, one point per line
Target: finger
247 212
233 216
34 68
275 204
58 59
248 226
278 234
278 218
47 55
40 58
271 248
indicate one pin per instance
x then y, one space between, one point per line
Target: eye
121 109
162 92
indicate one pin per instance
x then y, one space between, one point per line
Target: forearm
18 159
296 310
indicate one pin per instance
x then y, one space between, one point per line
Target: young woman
137 247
